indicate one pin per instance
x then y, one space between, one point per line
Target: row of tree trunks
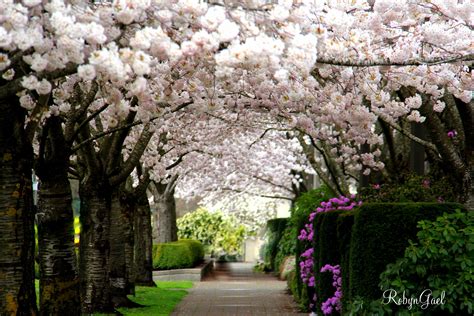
17 292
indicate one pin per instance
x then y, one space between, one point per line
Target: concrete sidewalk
235 290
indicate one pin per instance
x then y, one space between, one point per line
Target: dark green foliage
410 188
299 295
179 254
326 252
380 235
441 259
196 247
344 230
304 205
286 246
275 229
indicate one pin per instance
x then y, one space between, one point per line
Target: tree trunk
94 256
417 151
59 282
165 207
121 249
466 112
143 260
129 210
17 243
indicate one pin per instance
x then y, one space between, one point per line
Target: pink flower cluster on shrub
333 302
307 262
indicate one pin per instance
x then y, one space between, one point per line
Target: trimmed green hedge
327 252
184 253
345 222
380 235
363 242
304 206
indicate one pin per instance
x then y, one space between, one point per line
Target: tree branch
410 62
134 157
406 133
13 87
279 197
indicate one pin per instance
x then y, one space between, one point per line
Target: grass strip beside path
157 301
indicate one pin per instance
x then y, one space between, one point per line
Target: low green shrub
196 248
441 260
380 235
178 254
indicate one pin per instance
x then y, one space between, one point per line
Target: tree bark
17 245
143 261
453 163
121 249
166 229
417 151
59 282
466 112
95 248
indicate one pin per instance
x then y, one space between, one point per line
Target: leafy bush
304 205
178 254
410 188
380 235
286 247
274 233
299 294
442 259
217 232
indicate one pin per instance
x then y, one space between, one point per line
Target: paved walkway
234 290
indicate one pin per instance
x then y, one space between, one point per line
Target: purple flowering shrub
307 259
333 302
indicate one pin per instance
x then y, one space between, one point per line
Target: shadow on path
234 289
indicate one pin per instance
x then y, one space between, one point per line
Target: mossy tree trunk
59 282
17 291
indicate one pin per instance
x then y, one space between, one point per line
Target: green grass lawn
159 300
